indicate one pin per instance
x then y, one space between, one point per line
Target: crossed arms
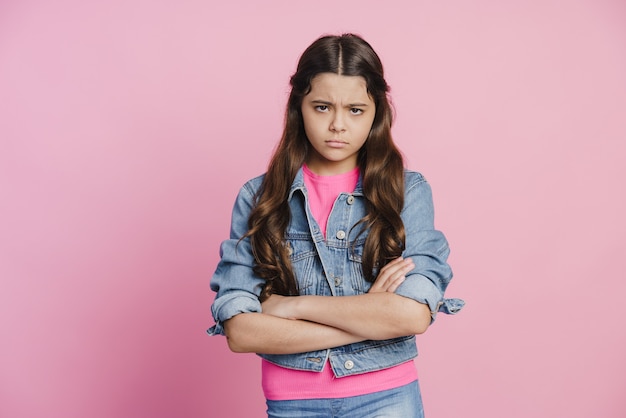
295 324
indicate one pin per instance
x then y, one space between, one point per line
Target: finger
392 264
395 268
392 277
393 286
389 270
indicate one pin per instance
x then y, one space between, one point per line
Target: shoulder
413 179
247 193
252 186
418 199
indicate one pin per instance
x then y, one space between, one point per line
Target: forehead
340 87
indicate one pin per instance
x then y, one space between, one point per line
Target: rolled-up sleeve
237 287
428 248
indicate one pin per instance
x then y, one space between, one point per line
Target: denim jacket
331 266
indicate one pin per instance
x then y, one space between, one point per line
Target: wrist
298 309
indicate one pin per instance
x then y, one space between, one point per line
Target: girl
333 264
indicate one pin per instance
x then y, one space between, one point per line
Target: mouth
336 143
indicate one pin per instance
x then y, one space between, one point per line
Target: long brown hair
379 160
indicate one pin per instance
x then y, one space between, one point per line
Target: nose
337 123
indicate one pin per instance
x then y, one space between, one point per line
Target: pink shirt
280 383
324 190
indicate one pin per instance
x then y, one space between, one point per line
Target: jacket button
350 200
341 234
337 281
348 364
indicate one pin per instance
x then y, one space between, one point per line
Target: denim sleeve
236 285
428 248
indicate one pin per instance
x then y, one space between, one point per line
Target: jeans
402 402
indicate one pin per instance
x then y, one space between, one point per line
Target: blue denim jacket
332 267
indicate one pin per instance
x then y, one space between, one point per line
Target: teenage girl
333 263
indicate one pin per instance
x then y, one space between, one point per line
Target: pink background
127 128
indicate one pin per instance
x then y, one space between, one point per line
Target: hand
279 306
392 275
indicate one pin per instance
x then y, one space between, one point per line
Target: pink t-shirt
280 383
324 190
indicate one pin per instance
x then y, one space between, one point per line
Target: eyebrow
325 103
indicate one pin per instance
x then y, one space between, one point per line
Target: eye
321 108
356 111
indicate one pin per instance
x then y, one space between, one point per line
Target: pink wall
126 128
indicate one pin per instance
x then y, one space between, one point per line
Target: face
338 115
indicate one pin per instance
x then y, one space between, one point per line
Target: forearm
261 333
373 316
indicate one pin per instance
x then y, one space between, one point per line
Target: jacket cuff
230 305
421 289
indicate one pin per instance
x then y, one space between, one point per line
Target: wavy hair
380 163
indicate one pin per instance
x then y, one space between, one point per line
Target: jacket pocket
357 279
303 255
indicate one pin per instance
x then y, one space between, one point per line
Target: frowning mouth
336 143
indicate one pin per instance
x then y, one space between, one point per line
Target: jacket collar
298 184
